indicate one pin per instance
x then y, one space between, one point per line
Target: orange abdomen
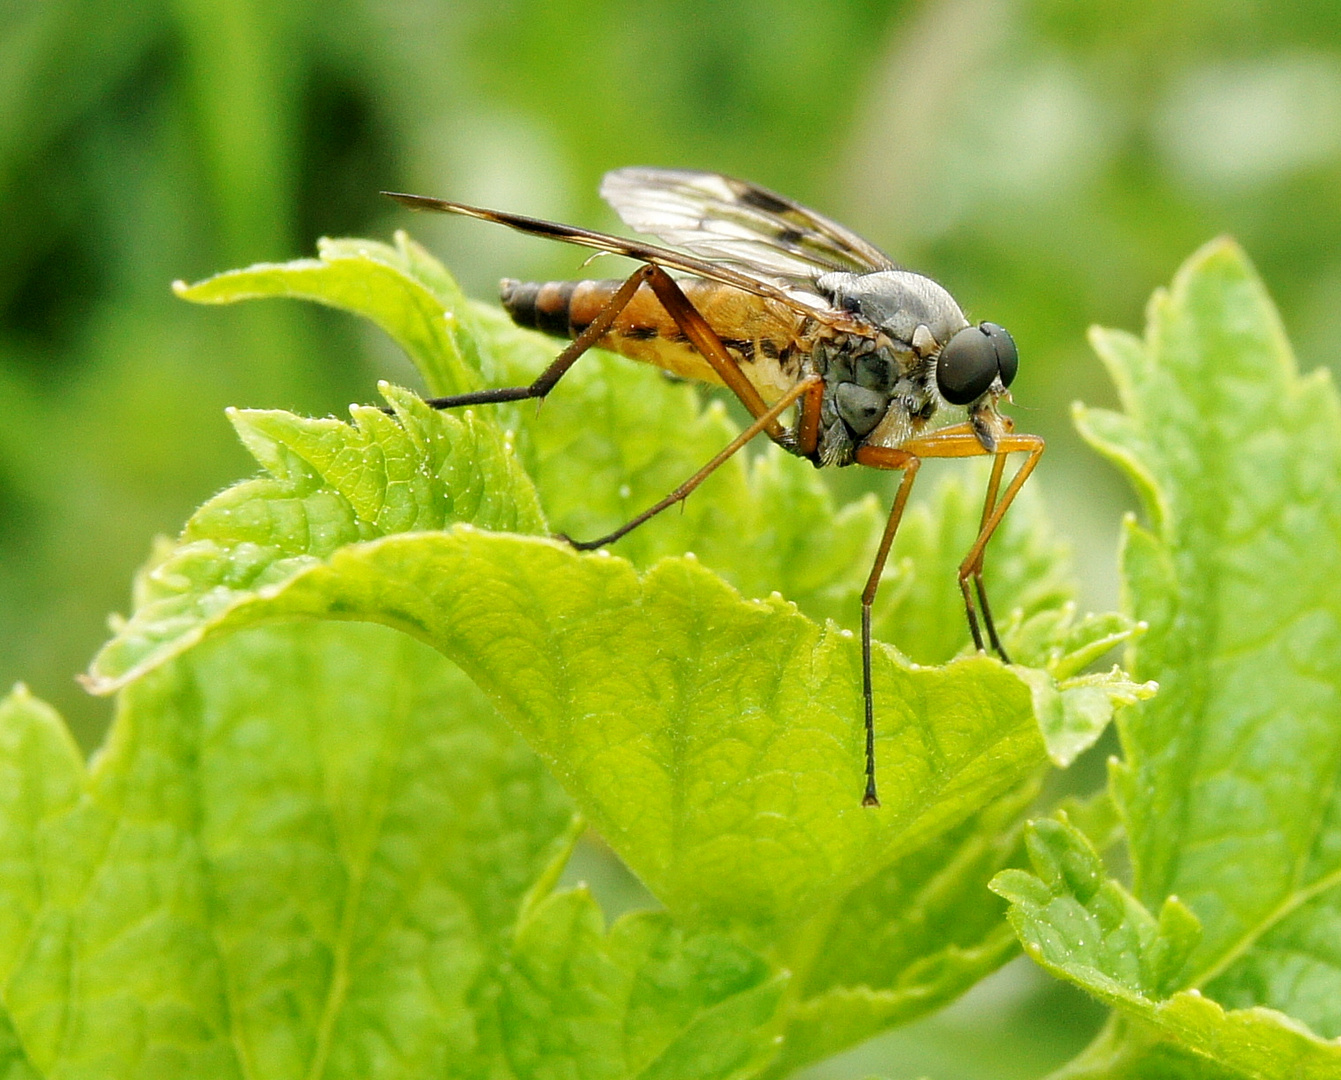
761 336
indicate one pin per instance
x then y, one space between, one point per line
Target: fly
785 308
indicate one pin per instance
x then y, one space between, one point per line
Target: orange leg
705 340
807 420
1032 446
952 442
547 379
959 441
686 317
807 388
989 502
880 458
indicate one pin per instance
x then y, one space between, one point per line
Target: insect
785 308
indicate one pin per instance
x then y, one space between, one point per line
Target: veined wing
734 223
794 295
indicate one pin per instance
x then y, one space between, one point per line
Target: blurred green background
1050 162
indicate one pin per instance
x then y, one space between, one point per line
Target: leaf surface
907 941
301 853
713 740
1087 929
1229 790
710 739
1228 794
644 1000
401 288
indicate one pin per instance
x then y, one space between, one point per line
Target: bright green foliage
275 121
713 741
1090 930
402 289
642 1001
1229 786
1229 790
300 854
325 916
330 484
310 851
1093 922
1239 577
915 936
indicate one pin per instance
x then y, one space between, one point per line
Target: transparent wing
731 222
738 275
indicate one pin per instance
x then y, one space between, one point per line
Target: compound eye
968 364
1007 357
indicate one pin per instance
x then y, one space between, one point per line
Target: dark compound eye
973 358
1007 357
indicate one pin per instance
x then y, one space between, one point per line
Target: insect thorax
868 382
880 387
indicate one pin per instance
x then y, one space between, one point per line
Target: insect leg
761 423
989 503
1032 446
547 379
880 457
705 340
808 421
957 442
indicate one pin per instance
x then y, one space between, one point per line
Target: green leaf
302 852
643 1001
1095 817
1230 791
615 436
1072 713
329 484
909 940
310 850
14 1063
1028 573
1131 1049
715 742
1089 930
402 289
40 779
